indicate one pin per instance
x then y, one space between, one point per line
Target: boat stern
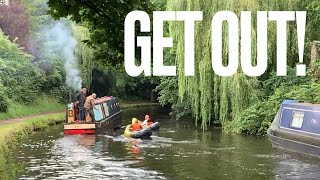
79 128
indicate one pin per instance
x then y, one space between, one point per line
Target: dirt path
17 120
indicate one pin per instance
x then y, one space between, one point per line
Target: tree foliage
23 76
258 117
84 53
105 20
224 99
102 28
114 81
50 63
14 22
22 79
4 100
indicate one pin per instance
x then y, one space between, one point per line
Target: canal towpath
24 118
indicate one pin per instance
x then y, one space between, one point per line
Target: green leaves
20 79
4 100
105 20
239 103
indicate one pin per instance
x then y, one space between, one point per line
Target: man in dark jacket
81 98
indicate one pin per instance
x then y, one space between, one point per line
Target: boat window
297 119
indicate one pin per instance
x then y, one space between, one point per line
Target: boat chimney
70 95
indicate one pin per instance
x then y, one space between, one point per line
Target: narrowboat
106 115
296 127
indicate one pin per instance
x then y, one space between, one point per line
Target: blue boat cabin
300 117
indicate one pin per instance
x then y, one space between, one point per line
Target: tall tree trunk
315 56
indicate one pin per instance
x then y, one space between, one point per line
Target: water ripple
71 160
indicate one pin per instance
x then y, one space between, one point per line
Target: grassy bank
41 105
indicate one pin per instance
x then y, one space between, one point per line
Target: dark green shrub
4 101
18 74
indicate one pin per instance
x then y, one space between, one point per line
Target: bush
18 74
273 82
4 101
60 93
258 117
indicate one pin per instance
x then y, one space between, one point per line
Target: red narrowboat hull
79 131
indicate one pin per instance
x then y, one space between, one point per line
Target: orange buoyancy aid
149 123
136 127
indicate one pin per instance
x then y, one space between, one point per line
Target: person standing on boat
81 98
89 105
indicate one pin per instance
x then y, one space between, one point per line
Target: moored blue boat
296 127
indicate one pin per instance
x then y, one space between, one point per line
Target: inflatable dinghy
154 126
143 133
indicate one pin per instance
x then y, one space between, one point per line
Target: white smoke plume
5 2
61 43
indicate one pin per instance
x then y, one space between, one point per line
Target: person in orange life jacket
136 125
147 121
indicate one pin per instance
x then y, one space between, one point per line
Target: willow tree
84 53
223 98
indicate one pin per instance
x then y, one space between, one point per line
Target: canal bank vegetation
26 85
40 105
241 104
32 73
22 83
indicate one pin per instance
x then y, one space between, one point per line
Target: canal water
178 151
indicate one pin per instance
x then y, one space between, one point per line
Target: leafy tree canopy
17 73
14 23
105 19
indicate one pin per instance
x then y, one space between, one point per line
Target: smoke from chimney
59 41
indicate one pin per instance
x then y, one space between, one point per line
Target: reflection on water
74 157
177 151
